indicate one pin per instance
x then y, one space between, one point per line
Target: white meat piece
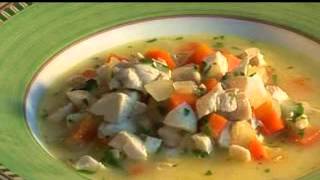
115 107
227 101
277 93
109 129
202 143
256 91
255 57
139 108
80 98
225 137
152 144
131 145
302 122
236 82
207 103
182 117
134 95
239 153
219 65
186 73
87 163
146 72
129 78
243 68
171 137
243 111
61 113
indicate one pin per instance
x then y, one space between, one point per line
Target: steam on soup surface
191 107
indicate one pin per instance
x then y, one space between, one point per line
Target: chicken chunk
242 133
202 142
152 144
87 163
243 111
219 65
182 117
256 91
186 73
236 82
61 113
109 129
171 137
239 153
131 145
146 72
277 93
227 101
80 98
115 107
224 139
208 103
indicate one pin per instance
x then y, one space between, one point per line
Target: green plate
33 35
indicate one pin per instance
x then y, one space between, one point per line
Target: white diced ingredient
239 153
171 137
255 57
302 122
114 107
219 65
152 144
208 103
186 73
185 86
182 117
202 143
131 145
227 101
61 113
108 129
160 89
225 138
146 72
277 93
255 91
80 98
87 163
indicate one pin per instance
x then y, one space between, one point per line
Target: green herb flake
200 154
186 111
218 45
206 130
152 40
218 37
146 61
290 67
90 85
267 170
111 160
208 173
200 91
235 48
274 79
179 38
252 74
129 47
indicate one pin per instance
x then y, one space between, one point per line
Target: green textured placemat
33 35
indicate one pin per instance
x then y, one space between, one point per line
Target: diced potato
160 89
242 133
182 117
87 163
239 153
202 142
256 92
185 86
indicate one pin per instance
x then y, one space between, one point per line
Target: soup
191 107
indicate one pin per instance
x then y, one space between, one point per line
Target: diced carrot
210 83
85 131
200 52
118 57
89 73
270 117
178 98
258 152
160 54
136 169
233 61
311 135
217 123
